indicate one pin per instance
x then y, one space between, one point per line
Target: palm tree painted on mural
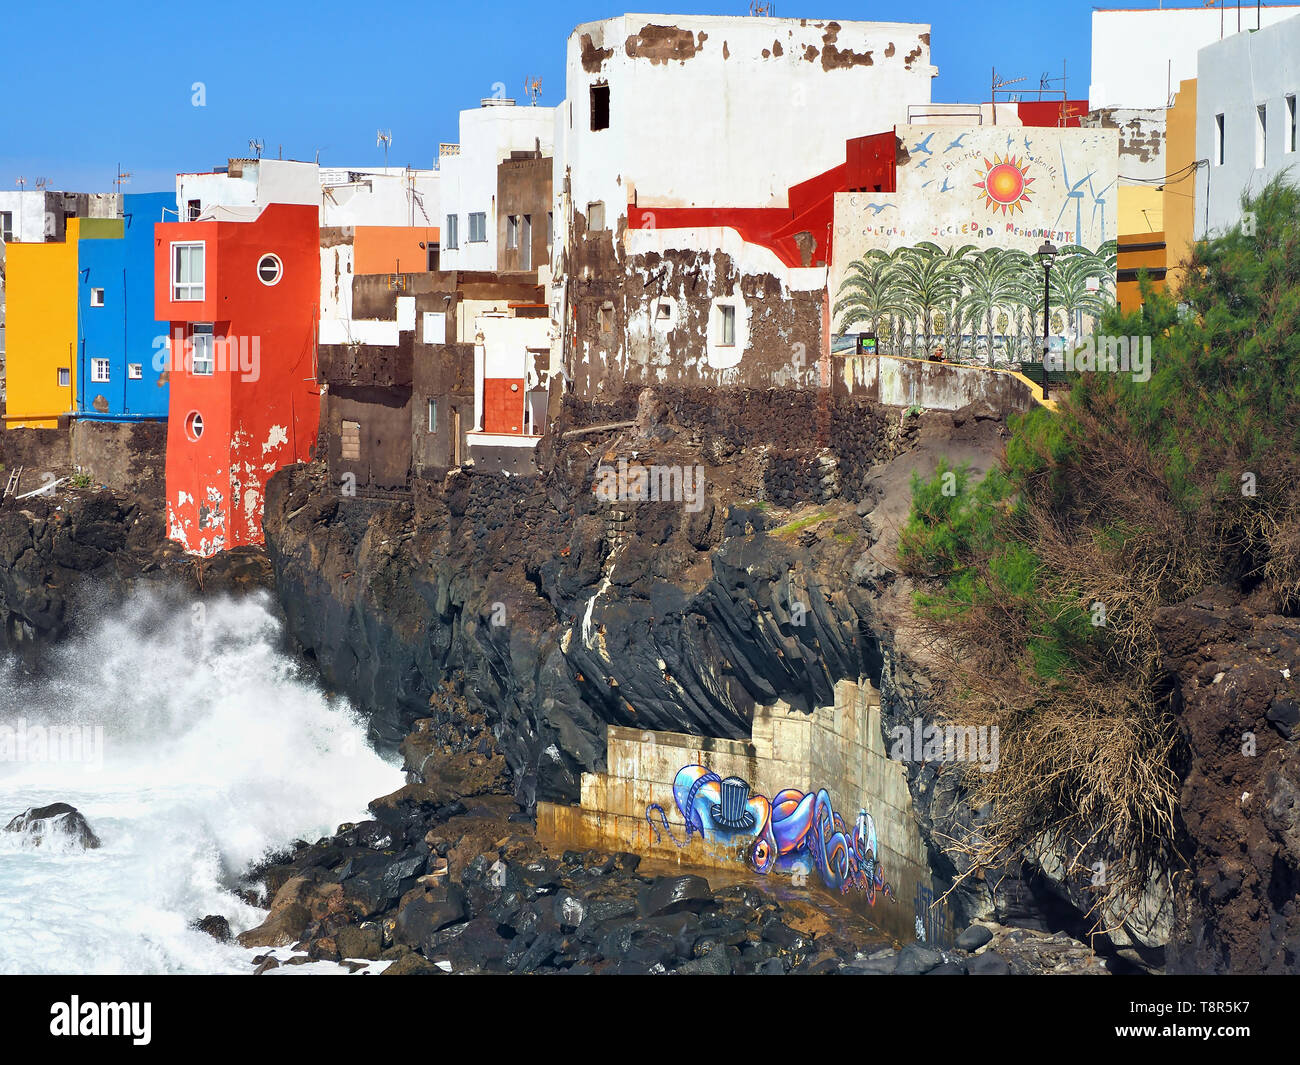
990 285
916 292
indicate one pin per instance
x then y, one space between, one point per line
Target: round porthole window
194 425
269 269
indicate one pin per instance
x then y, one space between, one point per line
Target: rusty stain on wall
661 44
838 59
913 56
593 58
890 50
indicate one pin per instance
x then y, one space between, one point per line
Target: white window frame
481 228
6 226
135 371
433 415
100 371
512 232
726 325
526 242
97 297
64 377
188 291
279 268
1261 136
451 239
202 367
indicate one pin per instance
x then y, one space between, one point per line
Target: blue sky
87 86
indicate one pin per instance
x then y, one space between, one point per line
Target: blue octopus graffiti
794 831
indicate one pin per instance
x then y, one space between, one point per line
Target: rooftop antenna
21 182
757 9
123 176
255 146
533 89
999 86
42 183
384 137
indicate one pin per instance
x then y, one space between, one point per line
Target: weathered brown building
524 226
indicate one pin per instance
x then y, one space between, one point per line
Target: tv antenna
533 89
123 176
21 182
42 183
255 146
384 137
757 9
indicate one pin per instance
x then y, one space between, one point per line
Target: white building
1246 88
489 135
1140 56
346 195
684 239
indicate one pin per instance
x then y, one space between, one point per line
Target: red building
241 294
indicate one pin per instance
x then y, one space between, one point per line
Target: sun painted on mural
796 832
1005 184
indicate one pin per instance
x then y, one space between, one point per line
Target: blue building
117 379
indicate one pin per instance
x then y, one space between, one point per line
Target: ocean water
202 748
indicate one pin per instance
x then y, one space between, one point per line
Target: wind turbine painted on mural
1099 202
1075 194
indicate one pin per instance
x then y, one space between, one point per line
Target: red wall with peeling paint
255 421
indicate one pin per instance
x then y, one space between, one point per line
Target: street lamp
1046 256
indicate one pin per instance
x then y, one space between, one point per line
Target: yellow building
41 324
1180 186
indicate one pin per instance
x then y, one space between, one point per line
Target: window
512 232
1290 123
65 377
6 226
193 208
1218 140
269 269
596 216
663 312
435 327
135 371
202 363
187 271
435 259
350 442
99 371
550 228
451 239
433 415
477 227
97 297
1261 135
526 236
599 107
607 319
194 425
728 323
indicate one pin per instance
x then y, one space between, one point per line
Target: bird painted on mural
1027 146
878 207
955 144
923 162
1009 140
927 184
945 186
924 145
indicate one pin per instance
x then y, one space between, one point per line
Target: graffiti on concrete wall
933 918
796 832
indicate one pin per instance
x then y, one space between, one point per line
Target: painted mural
796 832
946 264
